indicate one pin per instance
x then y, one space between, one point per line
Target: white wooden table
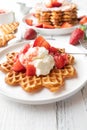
69 114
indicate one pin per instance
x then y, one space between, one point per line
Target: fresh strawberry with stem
84 28
76 35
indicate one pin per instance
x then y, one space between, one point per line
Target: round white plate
44 31
45 96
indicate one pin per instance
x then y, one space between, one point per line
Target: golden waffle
6 66
57 17
5 38
31 83
13 78
53 81
9 28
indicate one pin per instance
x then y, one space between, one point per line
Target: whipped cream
40 58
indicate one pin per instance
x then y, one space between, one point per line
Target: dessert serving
54 14
37 66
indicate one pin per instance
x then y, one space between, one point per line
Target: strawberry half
48 26
66 25
30 70
83 20
76 35
39 25
17 66
53 50
29 21
55 3
41 42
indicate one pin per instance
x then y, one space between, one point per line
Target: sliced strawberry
41 42
55 3
66 25
38 41
29 21
17 66
59 62
76 35
65 57
53 50
48 26
39 25
83 20
30 70
45 44
25 49
16 57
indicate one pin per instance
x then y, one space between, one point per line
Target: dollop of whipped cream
40 58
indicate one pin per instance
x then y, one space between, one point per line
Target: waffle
5 38
53 81
57 16
9 28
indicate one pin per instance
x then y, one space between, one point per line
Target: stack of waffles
7 32
57 16
53 81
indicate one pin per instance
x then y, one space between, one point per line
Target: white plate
45 96
43 31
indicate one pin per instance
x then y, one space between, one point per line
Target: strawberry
76 35
48 26
66 25
30 70
53 50
38 41
55 3
45 44
65 57
25 49
83 20
39 25
30 34
29 21
59 61
17 66
80 17
41 42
